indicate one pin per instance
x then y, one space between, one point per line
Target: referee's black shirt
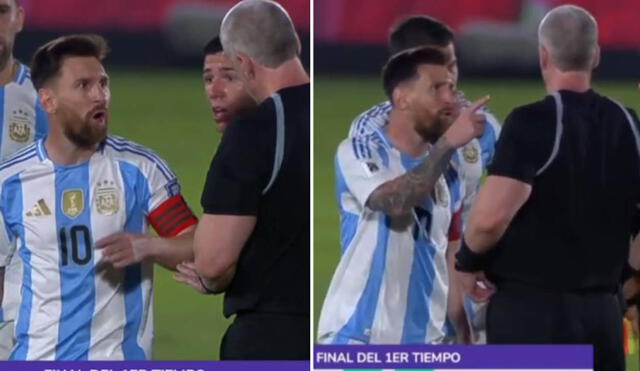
579 153
272 273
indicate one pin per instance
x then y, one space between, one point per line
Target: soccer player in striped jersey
474 157
22 120
424 31
391 285
62 194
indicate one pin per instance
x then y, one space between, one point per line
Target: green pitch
166 110
338 101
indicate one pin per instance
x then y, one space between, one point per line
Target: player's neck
404 137
62 151
290 73
574 81
9 71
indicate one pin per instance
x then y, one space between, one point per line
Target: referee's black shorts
267 336
520 314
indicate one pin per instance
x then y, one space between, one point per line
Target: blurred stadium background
158 100
497 55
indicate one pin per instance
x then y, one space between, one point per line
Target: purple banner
454 356
155 366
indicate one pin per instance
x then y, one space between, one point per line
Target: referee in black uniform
551 226
253 239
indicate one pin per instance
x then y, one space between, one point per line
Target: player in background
22 120
474 157
391 285
61 194
223 87
227 96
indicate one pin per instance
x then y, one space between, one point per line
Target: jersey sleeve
241 168
168 213
525 144
364 166
370 120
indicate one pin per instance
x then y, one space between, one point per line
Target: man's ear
544 57
48 100
596 58
20 19
246 65
400 98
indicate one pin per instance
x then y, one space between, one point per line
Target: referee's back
273 271
573 232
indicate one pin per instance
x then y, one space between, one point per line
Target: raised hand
468 125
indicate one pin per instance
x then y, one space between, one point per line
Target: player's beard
82 132
432 132
5 53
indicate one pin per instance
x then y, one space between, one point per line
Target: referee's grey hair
570 34
261 29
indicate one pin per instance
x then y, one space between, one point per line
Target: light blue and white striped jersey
70 308
474 158
23 119
391 284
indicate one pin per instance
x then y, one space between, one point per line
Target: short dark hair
418 30
213 46
403 66
48 59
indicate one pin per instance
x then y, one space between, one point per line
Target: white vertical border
311 185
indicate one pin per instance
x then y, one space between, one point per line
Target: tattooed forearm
400 195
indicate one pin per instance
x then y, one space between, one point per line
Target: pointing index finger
479 103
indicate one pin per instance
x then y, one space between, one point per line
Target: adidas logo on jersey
39 209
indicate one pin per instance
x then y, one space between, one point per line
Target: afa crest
20 127
107 200
72 202
470 153
19 131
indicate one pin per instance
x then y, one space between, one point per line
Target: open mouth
99 115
